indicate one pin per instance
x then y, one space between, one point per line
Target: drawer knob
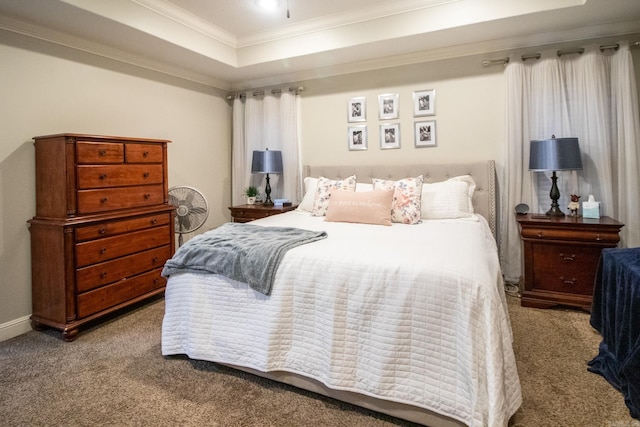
103 176
540 234
568 282
145 154
103 200
571 257
102 230
102 153
103 275
145 175
598 238
154 221
103 251
154 260
147 196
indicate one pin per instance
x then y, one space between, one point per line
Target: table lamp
555 154
267 162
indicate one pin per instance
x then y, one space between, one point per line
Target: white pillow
310 188
323 192
472 187
447 199
363 186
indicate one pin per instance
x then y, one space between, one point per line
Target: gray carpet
114 375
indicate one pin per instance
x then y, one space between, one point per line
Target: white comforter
409 313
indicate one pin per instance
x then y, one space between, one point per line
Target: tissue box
591 209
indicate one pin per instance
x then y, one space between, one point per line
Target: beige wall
47 89
469 113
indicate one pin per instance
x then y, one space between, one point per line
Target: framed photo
388 106
389 136
357 109
425 134
424 102
357 137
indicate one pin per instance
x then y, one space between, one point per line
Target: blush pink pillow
366 207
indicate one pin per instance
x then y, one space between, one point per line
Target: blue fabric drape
616 315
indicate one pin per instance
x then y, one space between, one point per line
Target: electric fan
191 209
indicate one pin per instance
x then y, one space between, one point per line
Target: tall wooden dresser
103 227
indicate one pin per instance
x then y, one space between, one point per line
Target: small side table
246 213
561 256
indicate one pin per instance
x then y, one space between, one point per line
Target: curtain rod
295 89
580 51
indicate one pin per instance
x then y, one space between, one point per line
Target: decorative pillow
323 192
365 207
405 208
446 199
310 187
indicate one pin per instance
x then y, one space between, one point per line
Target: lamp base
555 195
555 211
267 190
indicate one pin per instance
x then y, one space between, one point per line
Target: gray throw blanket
243 252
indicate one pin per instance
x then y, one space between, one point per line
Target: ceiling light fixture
268 4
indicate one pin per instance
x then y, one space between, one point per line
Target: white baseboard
14 327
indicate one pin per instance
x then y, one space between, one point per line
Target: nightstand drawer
246 213
574 235
565 268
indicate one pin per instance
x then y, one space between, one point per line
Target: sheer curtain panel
261 122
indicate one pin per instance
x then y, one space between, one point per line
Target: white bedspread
409 313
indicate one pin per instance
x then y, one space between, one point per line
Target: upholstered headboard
483 173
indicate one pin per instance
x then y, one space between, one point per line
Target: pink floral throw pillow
323 193
405 208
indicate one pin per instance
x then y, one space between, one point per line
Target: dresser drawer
108 296
97 275
99 153
108 199
101 250
143 153
118 175
565 268
112 228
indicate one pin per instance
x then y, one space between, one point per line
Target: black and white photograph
357 137
357 109
389 136
425 133
424 102
388 106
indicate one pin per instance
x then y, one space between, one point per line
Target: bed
405 319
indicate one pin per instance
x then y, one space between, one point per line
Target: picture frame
424 102
357 137
389 136
425 133
388 106
357 109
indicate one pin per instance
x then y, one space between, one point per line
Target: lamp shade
266 162
555 154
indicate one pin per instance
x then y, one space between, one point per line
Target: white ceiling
232 44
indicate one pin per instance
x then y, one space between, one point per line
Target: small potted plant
251 193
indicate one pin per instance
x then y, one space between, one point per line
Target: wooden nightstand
246 213
561 257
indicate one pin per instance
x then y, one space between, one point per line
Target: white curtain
261 122
593 97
